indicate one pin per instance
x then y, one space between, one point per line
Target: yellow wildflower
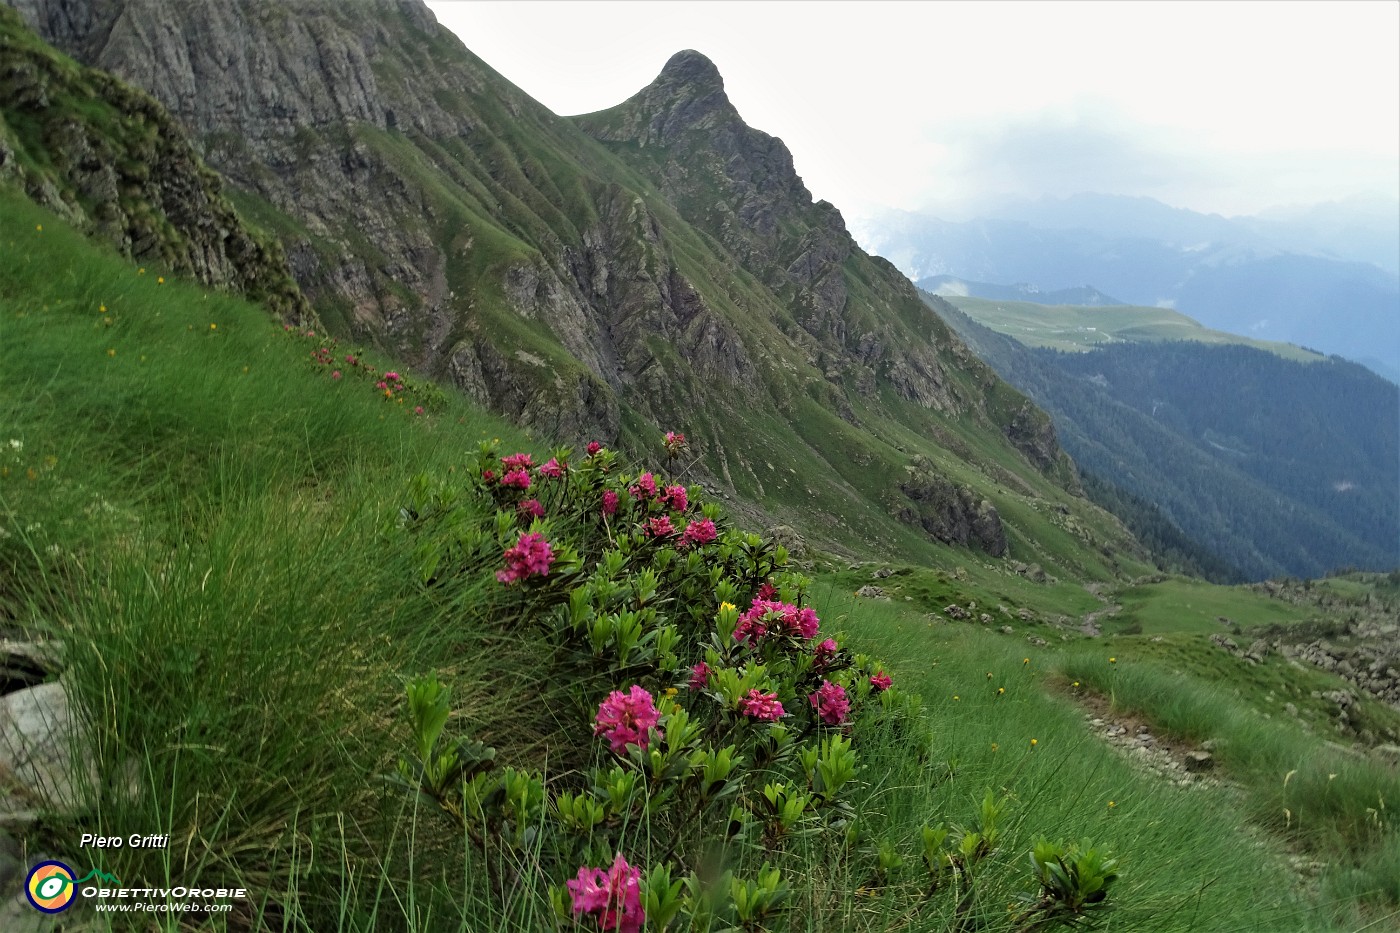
727 605
213 326
1034 742
38 228
111 352
1001 691
160 280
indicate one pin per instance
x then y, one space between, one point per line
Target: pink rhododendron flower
821 657
392 376
626 718
699 676
760 705
831 703
381 385
532 507
551 468
751 628
609 502
675 497
766 616
614 896
674 442
645 488
488 476
807 623
336 374
881 681
530 556
517 478
518 462
701 532
766 591
350 358
418 409
594 447
659 527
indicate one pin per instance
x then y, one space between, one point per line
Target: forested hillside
1272 466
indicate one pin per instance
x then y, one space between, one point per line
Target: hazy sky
1215 106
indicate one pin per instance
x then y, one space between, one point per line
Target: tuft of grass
1324 799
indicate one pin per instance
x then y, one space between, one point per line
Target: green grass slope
208 520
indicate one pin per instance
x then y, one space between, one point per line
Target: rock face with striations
594 276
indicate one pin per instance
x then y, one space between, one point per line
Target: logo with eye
50 887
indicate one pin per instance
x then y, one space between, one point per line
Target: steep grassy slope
1193 441
209 520
432 208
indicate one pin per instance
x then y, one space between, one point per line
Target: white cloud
1222 106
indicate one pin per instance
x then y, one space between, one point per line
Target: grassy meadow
207 519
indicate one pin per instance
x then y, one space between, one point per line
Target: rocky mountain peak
689 67
687 95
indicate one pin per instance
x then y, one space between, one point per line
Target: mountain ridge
559 271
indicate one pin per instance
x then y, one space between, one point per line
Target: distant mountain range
1309 277
950 286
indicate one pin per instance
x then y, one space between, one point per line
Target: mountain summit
687 95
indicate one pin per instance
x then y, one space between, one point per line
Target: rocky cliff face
660 263
949 511
855 317
111 160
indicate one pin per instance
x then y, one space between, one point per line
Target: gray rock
871 592
37 745
788 537
1199 761
1224 641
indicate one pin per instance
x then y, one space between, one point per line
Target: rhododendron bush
711 704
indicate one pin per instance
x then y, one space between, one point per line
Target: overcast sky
1215 106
